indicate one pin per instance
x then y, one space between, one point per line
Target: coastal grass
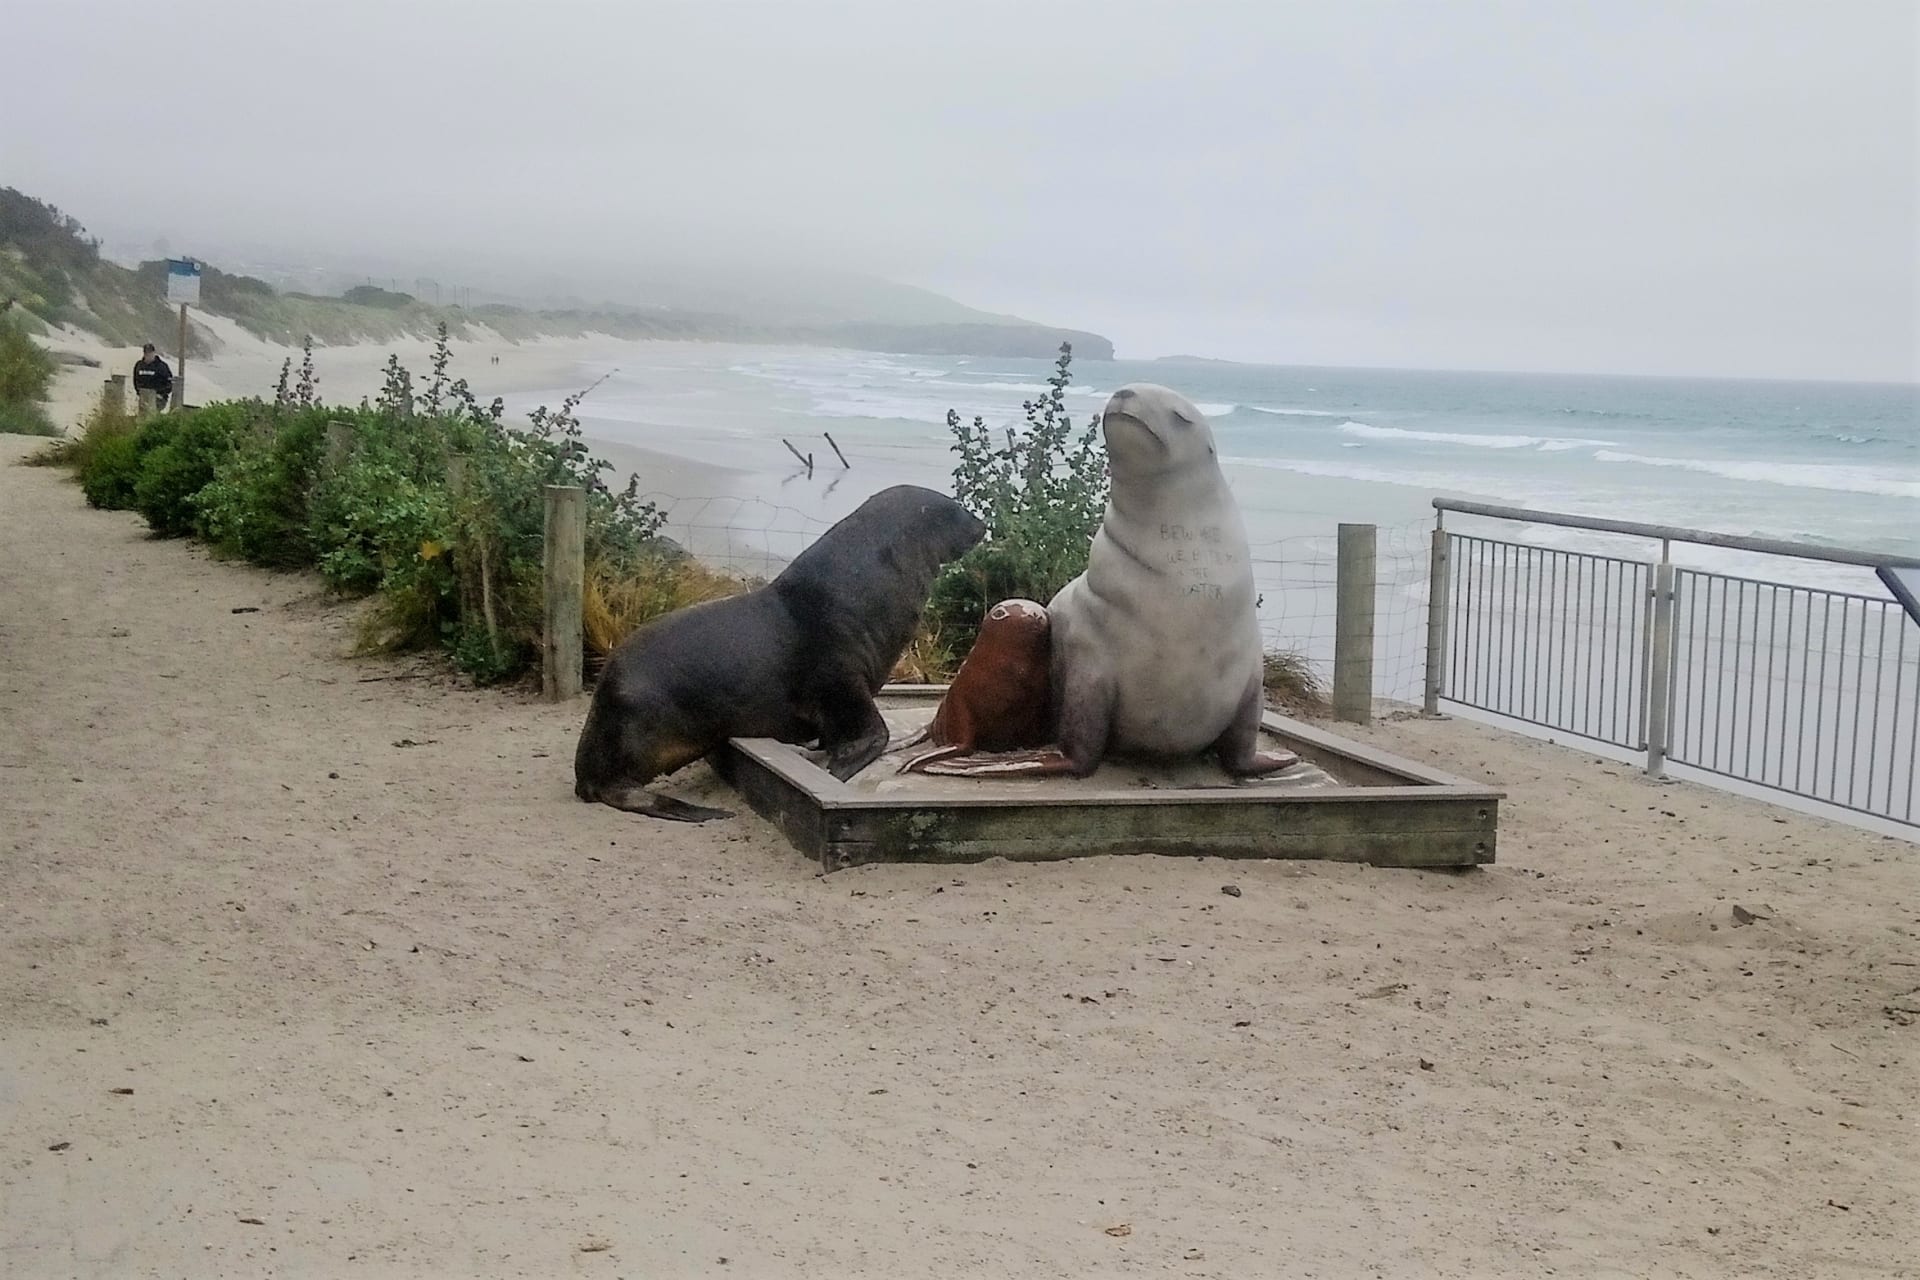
619 599
26 372
1293 685
26 419
76 451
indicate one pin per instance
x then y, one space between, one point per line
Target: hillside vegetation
54 272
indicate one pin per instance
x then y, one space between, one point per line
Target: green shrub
111 470
459 570
180 453
24 418
26 367
256 506
1041 494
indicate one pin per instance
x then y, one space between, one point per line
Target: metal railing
1808 690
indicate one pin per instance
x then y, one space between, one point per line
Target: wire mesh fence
1296 582
1295 579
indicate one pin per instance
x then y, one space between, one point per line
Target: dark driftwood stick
837 453
806 459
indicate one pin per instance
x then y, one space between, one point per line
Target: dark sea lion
798 659
1156 647
998 700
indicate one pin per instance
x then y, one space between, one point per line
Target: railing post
1660 670
565 559
1438 603
1354 585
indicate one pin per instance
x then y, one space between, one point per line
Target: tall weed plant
1041 491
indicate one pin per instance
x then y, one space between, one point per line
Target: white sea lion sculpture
1156 648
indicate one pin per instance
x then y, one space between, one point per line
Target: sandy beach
316 968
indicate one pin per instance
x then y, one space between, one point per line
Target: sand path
392 1010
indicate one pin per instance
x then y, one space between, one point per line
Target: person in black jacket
152 381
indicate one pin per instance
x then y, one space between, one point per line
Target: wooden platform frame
1393 813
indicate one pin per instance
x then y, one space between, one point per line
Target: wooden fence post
1438 593
1354 585
566 572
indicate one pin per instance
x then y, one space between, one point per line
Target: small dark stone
1231 890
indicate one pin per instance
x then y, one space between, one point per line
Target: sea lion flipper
631 799
1049 763
1239 747
855 736
919 763
1262 762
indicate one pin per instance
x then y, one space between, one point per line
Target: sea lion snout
1150 428
1027 611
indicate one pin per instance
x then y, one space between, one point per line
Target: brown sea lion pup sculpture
998 699
798 659
1156 647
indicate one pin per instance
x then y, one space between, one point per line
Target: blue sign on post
183 282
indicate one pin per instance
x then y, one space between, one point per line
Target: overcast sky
1670 187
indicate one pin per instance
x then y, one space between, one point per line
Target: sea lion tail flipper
631 799
1010 764
920 762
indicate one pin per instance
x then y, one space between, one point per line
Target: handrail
1672 533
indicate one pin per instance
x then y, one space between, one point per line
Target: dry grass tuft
1293 685
73 450
926 660
614 606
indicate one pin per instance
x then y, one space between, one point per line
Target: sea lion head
1150 429
933 523
1016 615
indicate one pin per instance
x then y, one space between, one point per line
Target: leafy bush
1041 495
111 470
24 418
26 367
256 505
180 453
434 503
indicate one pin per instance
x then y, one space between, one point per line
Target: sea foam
1804 475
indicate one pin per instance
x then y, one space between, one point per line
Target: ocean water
1836 463
1304 450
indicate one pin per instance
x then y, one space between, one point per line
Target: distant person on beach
152 381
